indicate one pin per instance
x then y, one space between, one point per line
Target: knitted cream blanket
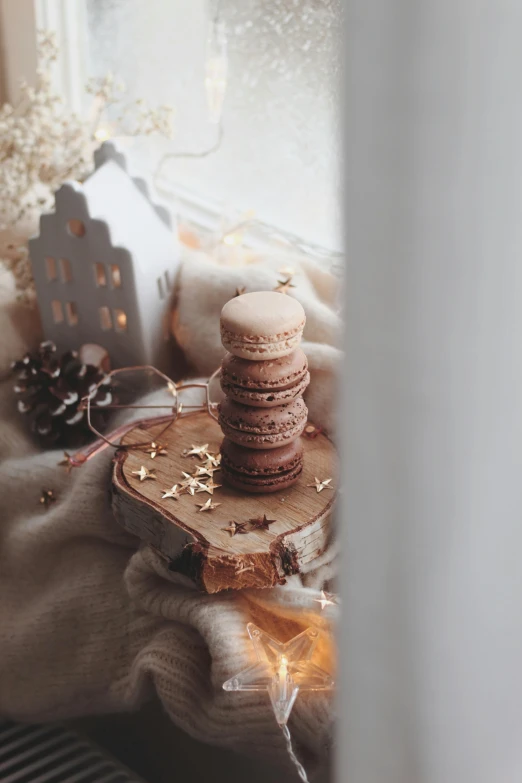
90 622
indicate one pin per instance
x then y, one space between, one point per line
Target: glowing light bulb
102 133
216 71
282 670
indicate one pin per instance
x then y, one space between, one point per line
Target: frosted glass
280 152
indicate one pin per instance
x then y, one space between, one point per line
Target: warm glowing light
282 670
102 133
232 239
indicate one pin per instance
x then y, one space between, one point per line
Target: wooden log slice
195 542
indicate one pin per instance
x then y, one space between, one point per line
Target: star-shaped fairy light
197 451
144 473
326 599
284 286
320 485
240 291
156 450
281 669
47 498
208 487
208 506
174 493
236 527
261 523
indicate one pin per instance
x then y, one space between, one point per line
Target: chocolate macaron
262 428
262 325
261 471
265 384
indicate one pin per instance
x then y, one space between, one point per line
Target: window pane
280 152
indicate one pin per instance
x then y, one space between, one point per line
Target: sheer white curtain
432 520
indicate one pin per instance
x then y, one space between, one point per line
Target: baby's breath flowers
43 143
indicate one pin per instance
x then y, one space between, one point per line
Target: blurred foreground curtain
432 518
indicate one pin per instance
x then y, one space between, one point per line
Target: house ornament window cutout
105 262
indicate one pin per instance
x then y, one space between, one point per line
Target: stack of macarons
263 376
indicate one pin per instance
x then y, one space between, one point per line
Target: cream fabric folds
90 623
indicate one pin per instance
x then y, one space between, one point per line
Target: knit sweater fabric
91 621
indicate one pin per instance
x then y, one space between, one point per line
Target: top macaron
262 325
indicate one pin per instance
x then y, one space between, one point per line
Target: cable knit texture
90 621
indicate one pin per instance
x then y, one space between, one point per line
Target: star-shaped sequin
47 498
320 485
326 599
67 462
144 473
197 451
174 493
208 487
282 669
208 506
212 460
201 470
284 286
189 483
261 523
156 450
236 527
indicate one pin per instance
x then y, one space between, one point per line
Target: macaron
262 428
262 325
265 384
259 471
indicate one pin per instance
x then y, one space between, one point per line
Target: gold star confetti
320 485
156 450
208 506
144 473
289 271
240 291
67 462
235 527
261 523
311 431
284 286
196 451
47 497
201 470
174 493
326 599
213 460
209 487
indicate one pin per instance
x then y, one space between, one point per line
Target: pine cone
50 390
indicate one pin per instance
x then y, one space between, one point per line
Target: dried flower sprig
43 143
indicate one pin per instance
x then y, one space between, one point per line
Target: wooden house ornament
104 265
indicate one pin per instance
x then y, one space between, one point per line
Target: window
280 151
120 320
76 228
72 313
57 311
99 275
167 281
50 268
161 290
105 318
115 276
65 270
